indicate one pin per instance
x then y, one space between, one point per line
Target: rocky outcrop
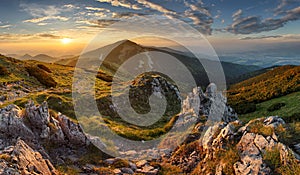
246 146
22 159
34 129
208 104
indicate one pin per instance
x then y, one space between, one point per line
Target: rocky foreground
36 141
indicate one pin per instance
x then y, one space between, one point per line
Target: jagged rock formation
205 100
230 148
225 146
33 129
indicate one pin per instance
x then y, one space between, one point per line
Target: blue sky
219 20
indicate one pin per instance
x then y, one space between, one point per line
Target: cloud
283 3
156 7
261 37
200 16
37 10
25 37
100 23
97 9
237 14
41 19
126 14
70 6
193 13
285 38
5 26
51 36
254 24
121 3
43 12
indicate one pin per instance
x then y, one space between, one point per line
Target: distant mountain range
237 67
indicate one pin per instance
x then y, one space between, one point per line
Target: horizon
59 28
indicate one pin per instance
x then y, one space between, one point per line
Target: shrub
275 106
42 76
244 108
229 158
272 158
103 76
292 118
258 127
168 169
43 67
104 170
3 71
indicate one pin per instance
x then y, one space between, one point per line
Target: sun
66 40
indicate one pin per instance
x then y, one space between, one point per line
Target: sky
65 27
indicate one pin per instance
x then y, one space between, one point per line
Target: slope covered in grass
275 83
292 106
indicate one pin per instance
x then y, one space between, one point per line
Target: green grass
292 106
273 160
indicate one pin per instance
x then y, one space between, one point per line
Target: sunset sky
62 27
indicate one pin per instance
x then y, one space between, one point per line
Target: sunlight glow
66 40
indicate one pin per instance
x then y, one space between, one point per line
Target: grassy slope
275 83
292 106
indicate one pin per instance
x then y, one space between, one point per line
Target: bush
258 127
103 76
244 108
42 76
43 67
292 118
3 71
272 158
275 106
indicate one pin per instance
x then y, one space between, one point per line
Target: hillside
277 82
123 50
289 108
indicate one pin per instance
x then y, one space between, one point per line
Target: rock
72 131
251 158
117 171
127 170
211 103
225 134
141 163
132 166
274 121
32 161
12 126
38 116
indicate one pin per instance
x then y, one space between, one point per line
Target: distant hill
274 83
26 57
249 75
44 58
40 57
121 51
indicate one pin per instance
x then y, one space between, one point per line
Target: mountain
26 57
51 140
44 58
121 51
